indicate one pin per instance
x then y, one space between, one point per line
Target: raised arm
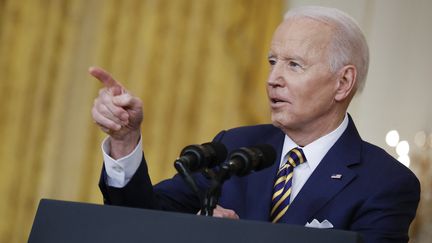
118 113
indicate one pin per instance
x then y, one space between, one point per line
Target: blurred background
199 66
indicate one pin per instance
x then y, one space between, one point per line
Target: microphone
243 160
196 157
207 155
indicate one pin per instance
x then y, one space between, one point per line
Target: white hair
348 46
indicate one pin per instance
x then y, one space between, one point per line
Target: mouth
276 103
275 100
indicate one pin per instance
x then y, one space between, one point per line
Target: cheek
320 100
314 96
327 91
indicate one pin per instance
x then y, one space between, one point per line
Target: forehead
303 37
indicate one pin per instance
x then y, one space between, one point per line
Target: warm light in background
392 138
402 148
420 139
405 159
430 140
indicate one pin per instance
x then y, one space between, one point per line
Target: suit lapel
260 184
320 188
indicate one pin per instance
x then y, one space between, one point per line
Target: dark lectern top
60 221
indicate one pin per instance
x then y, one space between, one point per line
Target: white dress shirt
119 172
314 153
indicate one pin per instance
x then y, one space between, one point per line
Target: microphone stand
210 201
212 195
187 177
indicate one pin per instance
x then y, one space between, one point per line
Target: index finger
104 77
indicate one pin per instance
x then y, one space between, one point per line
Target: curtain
198 65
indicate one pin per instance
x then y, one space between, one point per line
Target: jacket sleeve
171 195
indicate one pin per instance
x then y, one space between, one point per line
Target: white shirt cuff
119 172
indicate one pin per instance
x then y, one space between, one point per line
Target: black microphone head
206 155
191 157
266 154
243 160
217 153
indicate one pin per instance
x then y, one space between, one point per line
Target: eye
272 61
294 64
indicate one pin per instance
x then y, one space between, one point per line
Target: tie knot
295 157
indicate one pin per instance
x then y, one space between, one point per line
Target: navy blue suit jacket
376 196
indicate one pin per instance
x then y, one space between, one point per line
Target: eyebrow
293 57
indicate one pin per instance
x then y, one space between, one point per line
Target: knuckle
138 102
94 113
116 110
105 99
102 91
110 125
102 109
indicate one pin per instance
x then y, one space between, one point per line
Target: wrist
120 148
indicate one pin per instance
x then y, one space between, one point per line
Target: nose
276 76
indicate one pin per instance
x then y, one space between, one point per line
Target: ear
347 79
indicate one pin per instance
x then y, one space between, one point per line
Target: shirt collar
315 151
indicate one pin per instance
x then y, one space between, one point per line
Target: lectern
61 221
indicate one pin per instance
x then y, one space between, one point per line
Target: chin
278 120
282 121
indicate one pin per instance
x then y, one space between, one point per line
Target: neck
315 129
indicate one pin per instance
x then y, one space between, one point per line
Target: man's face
301 88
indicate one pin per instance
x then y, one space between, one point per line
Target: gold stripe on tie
282 179
283 168
299 155
289 176
276 194
287 193
291 161
280 214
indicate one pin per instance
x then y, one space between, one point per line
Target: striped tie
282 186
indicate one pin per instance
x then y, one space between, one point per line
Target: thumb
115 90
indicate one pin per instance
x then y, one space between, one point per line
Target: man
319 59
